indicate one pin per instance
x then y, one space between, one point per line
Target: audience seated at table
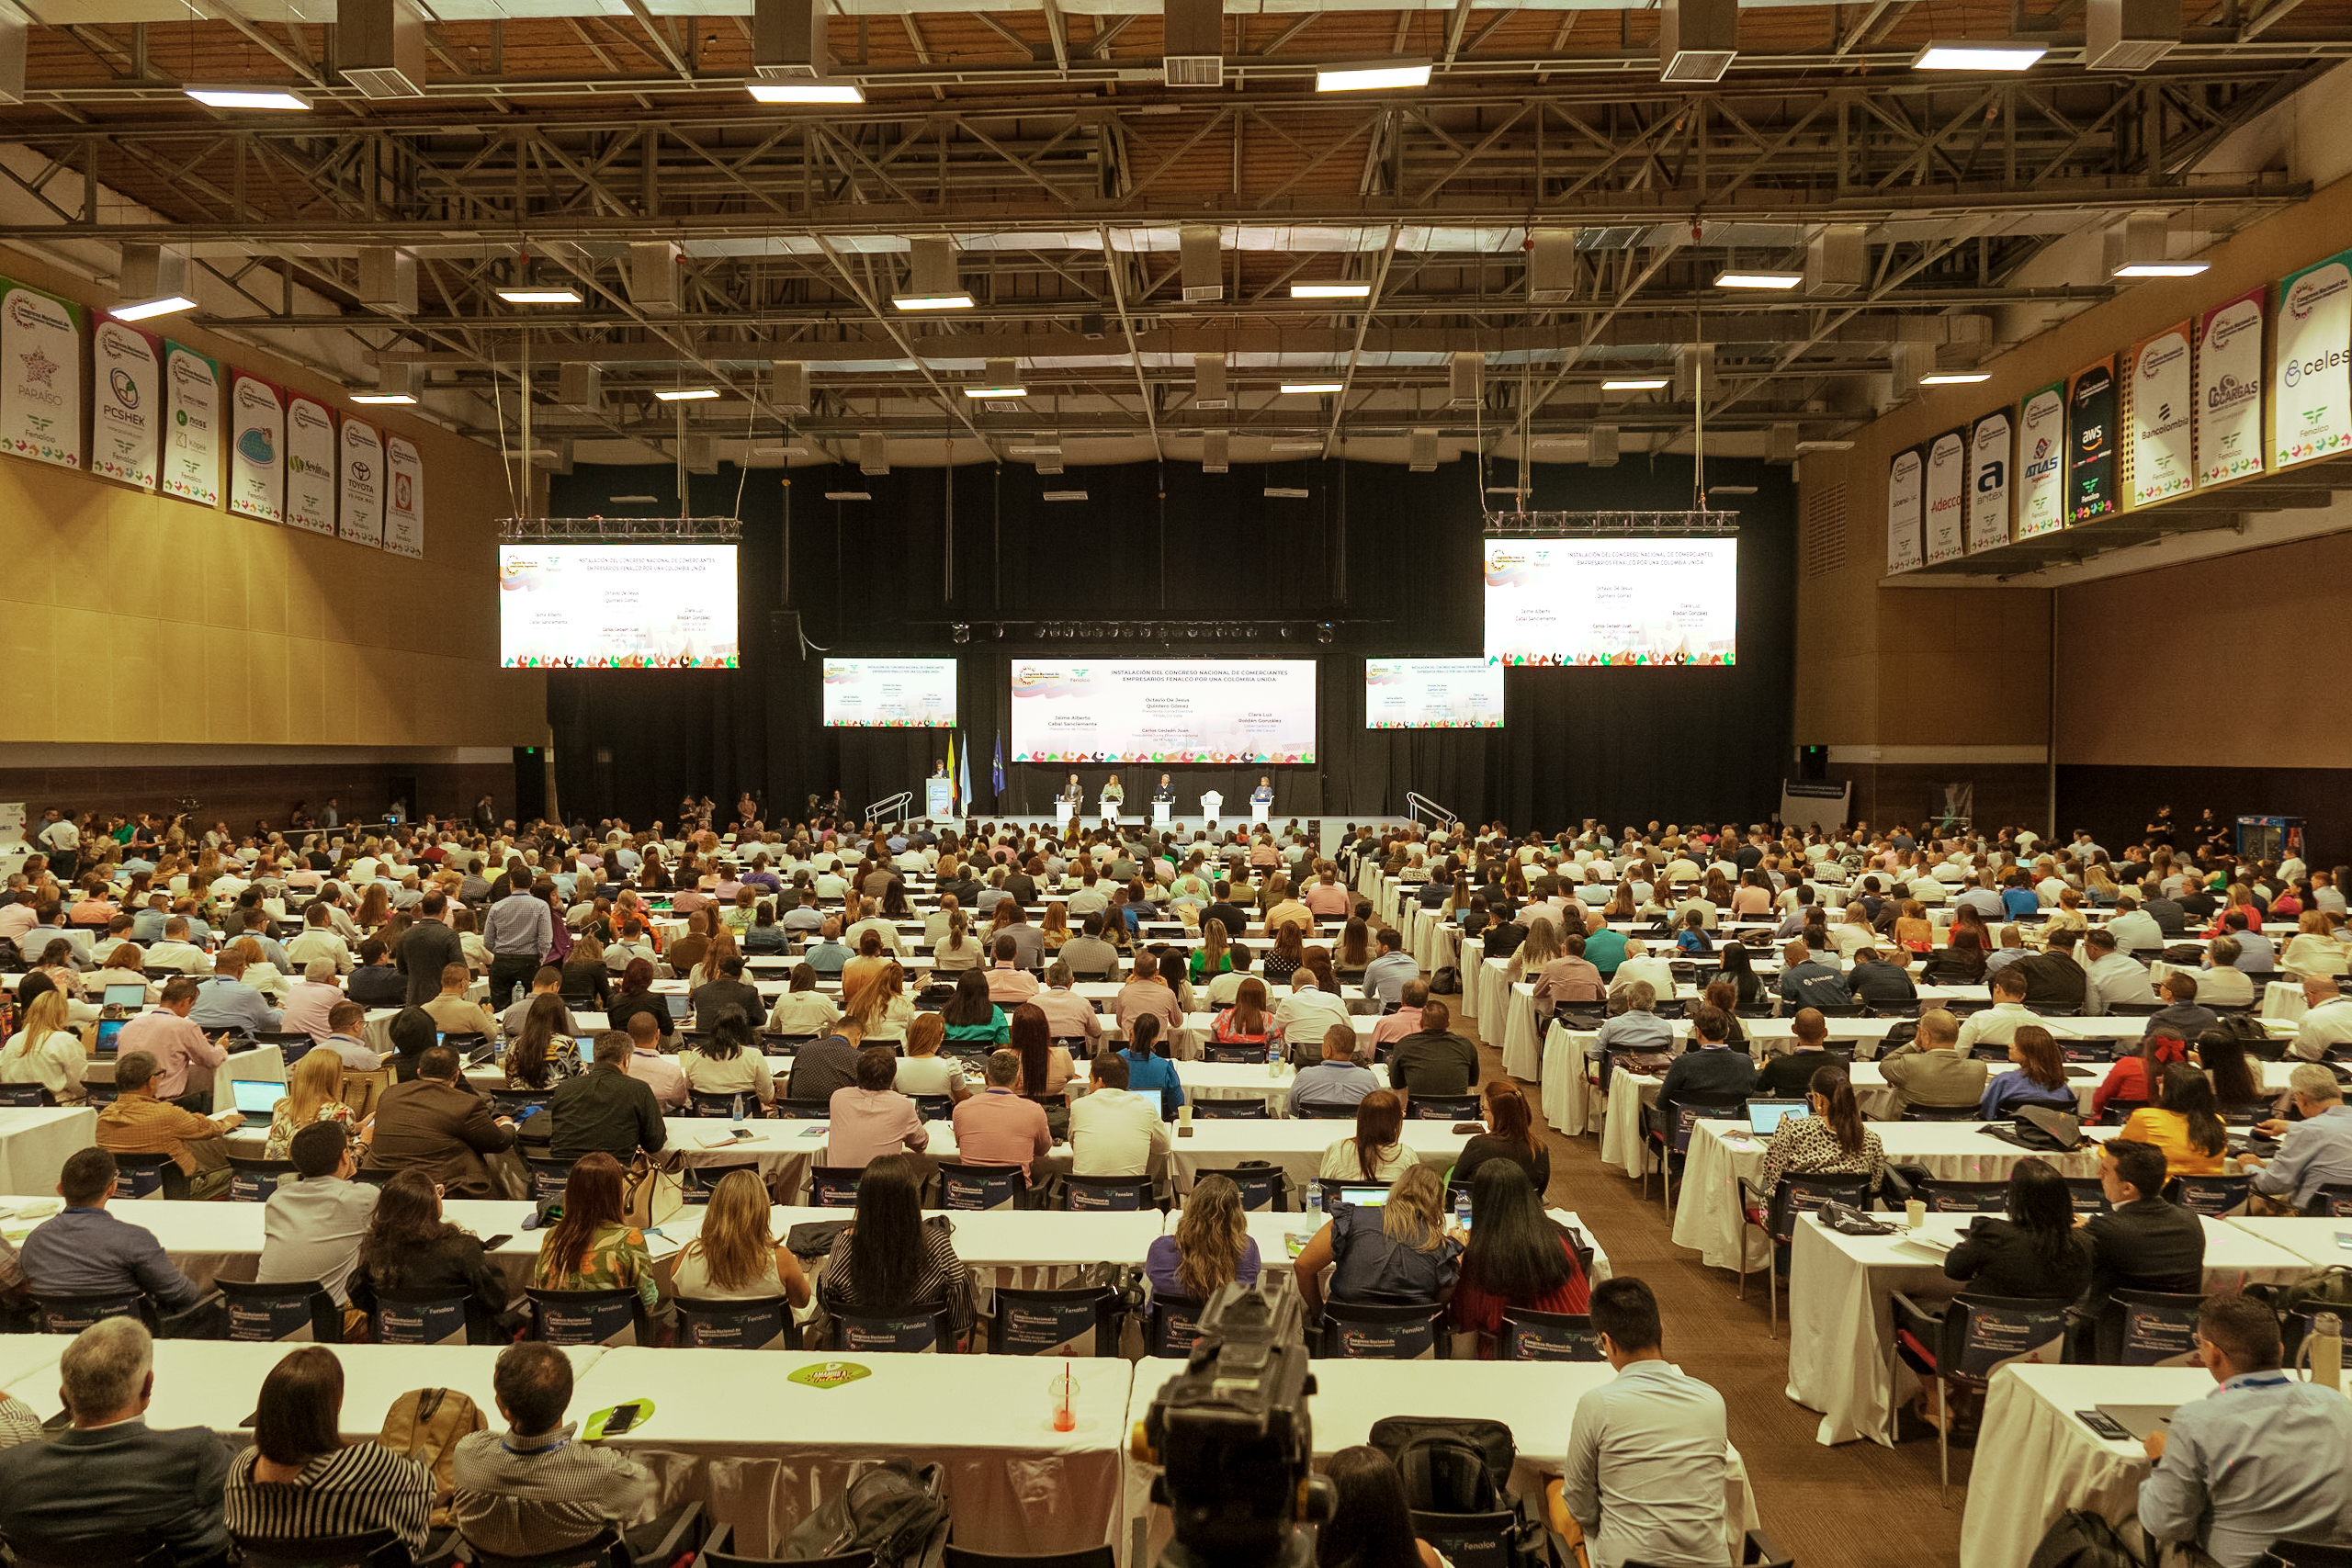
109 1473
1433 1060
1516 1255
2039 1078
137 1123
734 1255
1336 1081
975 1022
1249 1021
1370 1525
543 1053
436 1125
2126 1083
1832 1141
923 1071
45 1051
2036 1252
1644 1476
313 1093
1114 1131
299 1482
1210 1249
1786 1072
2260 1459
2314 1150
725 1059
1397 1251
409 1247
890 1261
802 1011
2182 1013
998 1126
1375 1151
2182 1122
533 1489
1709 1069
870 1118
606 1109
315 1221
88 1251
1930 1069
1511 1135
171 1039
593 1247
1149 1071
636 995
2141 1242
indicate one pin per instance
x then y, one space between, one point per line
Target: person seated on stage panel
1787 1072
1517 1257
88 1251
734 1256
1263 796
532 1490
1398 1250
110 1473
1571 977
803 1011
1644 1473
2183 1124
137 1123
1164 793
1929 1070
2315 1151
2141 1242
1634 1024
1072 797
1708 1068
1114 797
2259 1460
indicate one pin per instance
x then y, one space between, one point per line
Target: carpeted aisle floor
1856 1505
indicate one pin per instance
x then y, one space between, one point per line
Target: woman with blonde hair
1211 1248
1913 929
46 1051
1055 929
1211 959
313 1093
956 949
722 945
2314 949
922 1070
1399 1251
1542 946
879 1004
735 1256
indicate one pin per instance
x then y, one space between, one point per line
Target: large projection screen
1228 711
1432 693
617 607
1612 601
891 694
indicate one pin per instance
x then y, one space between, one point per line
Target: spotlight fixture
278 99
960 632
1322 631
1979 54
1373 76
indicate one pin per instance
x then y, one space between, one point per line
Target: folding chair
1111 1194
1776 1214
1080 1322
765 1323
977 1187
1379 1331
282 1314
2147 1329
1216 1108
370 1549
1532 1336
1174 1322
253 1180
418 1317
1961 1346
913 1332
1262 1186
586 1317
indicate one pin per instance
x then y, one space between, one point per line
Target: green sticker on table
828 1374
592 1430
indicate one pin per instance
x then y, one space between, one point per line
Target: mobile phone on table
623 1417
491 1244
2098 1421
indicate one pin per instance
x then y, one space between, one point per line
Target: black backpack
1460 1467
2080 1540
896 1511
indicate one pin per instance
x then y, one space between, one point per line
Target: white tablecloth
729 1429
36 1142
1523 1058
1841 1339
1272 1230
1296 1147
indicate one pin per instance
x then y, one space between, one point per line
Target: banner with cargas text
2090 442
1988 481
1905 490
1946 486
192 439
2311 393
256 466
404 502
40 376
2228 390
2041 461
2159 394
126 402
1229 711
310 465
360 484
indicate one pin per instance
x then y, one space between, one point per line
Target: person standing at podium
1165 794
1262 797
1112 799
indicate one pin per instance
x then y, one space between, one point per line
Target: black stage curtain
1390 559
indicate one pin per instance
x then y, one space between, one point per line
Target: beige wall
1955 667
127 617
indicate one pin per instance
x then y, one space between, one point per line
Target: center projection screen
1216 711
1612 601
891 694
617 607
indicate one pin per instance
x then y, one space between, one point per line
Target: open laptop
1765 1116
127 997
256 1097
2140 1419
1364 1196
679 1004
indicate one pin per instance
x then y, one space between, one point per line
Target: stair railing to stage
1416 805
890 808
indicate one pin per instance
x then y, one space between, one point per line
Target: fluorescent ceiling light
634 500
807 91
687 395
381 400
1759 279
1306 388
1330 290
146 307
1731 489
1645 384
959 300
557 296
996 391
1955 377
2137 269
248 98
1979 54
1064 495
1824 445
849 495
1371 76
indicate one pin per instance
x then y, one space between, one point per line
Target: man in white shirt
175 951
312 1001
318 940
1309 1012
1998 1025
2220 983
2112 976
870 921
1647 1452
2135 930
1640 964
1114 1131
2327 1018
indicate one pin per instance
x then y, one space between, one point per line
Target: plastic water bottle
739 1112
1314 1197
515 992
1462 1210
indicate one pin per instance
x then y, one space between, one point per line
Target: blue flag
997 768
964 778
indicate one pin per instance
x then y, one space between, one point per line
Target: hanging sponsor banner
2090 442
404 502
126 404
1947 487
1988 482
359 485
2041 461
191 467
2161 395
2311 398
310 465
2228 390
40 376
1904 488
257 449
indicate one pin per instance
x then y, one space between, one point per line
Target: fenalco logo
2310 290
30 310
2153 363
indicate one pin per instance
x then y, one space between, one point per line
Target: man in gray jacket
1930 1070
